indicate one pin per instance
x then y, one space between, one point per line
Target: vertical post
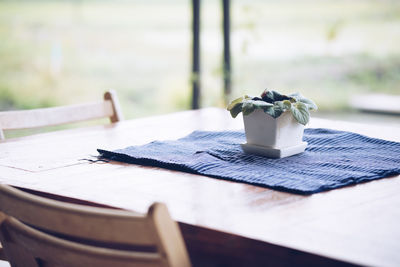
227 51
195 77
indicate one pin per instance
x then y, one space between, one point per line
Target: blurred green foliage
61 52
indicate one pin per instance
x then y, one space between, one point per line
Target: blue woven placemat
332 159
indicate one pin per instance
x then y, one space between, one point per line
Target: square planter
272 137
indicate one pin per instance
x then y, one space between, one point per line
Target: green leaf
299 98
310 104
275 111
287 104
300 112
284 105
272 96
295 95
236 109
235 102
260 104
248 107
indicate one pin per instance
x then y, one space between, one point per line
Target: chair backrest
35 228
35 118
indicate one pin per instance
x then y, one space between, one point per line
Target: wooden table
222 222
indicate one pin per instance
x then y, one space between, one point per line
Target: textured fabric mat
332 159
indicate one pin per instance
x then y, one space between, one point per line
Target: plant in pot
274 123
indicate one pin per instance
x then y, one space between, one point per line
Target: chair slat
23 119
77 220
36 118
54 251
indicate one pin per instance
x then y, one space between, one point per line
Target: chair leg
2 217
2 256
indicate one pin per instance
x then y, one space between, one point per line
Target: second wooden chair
36 118
36 231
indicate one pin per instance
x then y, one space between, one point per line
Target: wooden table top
356 224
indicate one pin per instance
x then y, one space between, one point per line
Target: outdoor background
62 52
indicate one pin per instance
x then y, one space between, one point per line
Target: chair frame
42 117
52 219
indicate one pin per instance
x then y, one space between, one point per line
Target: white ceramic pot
263 130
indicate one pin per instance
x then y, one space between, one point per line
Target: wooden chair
35 118
37 231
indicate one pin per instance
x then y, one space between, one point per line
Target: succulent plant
274 104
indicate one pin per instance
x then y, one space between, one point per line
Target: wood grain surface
354 225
